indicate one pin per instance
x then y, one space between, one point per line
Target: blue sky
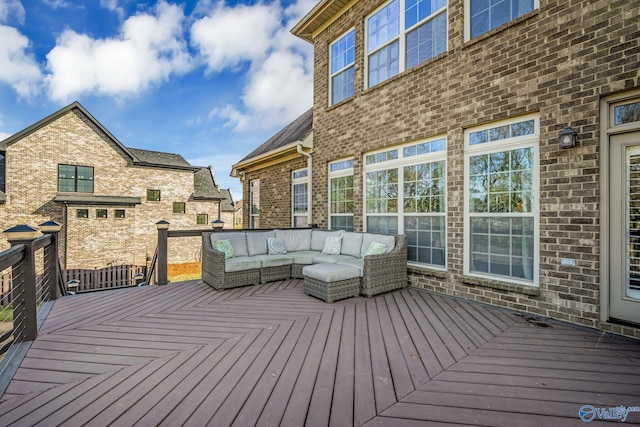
209 80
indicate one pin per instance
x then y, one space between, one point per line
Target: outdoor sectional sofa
251 262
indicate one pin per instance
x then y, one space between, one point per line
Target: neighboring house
238 214
276 178
442 121
108 197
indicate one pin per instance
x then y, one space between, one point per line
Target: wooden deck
185 354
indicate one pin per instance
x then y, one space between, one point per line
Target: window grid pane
342 85
300 204
503 246
75 178
426 237
342 222
341 195
427 41
382 191
384 64
489 14
501 182
383 26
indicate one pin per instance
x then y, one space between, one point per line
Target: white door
624 227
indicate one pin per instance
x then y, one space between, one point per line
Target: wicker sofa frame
382 273
213 269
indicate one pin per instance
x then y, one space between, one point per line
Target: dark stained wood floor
268 355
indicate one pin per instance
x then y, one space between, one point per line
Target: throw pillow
332 245
224 246
376 248
276 246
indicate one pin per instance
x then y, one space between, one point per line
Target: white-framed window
254 203
341 195
300 198
501 200
405 192
402 34
342 61
482 16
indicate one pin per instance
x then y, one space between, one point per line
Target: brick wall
558 61
275 193
32 177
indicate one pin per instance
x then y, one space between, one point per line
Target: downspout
65 221
309 168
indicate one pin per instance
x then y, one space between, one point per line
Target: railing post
163 237
24 305
51 256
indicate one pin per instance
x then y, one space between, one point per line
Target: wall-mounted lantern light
568 137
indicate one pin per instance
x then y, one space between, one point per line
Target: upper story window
202 219
397 41
342 67
153 195
485 15
76 179
179 207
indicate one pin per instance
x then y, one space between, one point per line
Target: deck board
187 354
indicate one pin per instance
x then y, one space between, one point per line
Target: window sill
503 286
404 73
341 103
426 271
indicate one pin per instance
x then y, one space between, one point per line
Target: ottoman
331 282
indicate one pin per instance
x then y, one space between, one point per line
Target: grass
6 314
185 277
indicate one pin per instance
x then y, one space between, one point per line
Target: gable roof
295 131
205 187
284 141
157 158
136 156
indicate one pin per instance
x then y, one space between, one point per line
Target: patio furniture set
333 264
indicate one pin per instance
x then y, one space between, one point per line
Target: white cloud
17 68
231 35
57 4
112 5
11 8
148 51
279 84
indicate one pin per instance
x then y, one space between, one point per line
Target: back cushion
238 241
318 238
295 240
257 242
351 244
385 239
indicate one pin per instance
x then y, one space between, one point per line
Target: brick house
108 197
442 121
276 178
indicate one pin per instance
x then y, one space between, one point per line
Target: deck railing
158 271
